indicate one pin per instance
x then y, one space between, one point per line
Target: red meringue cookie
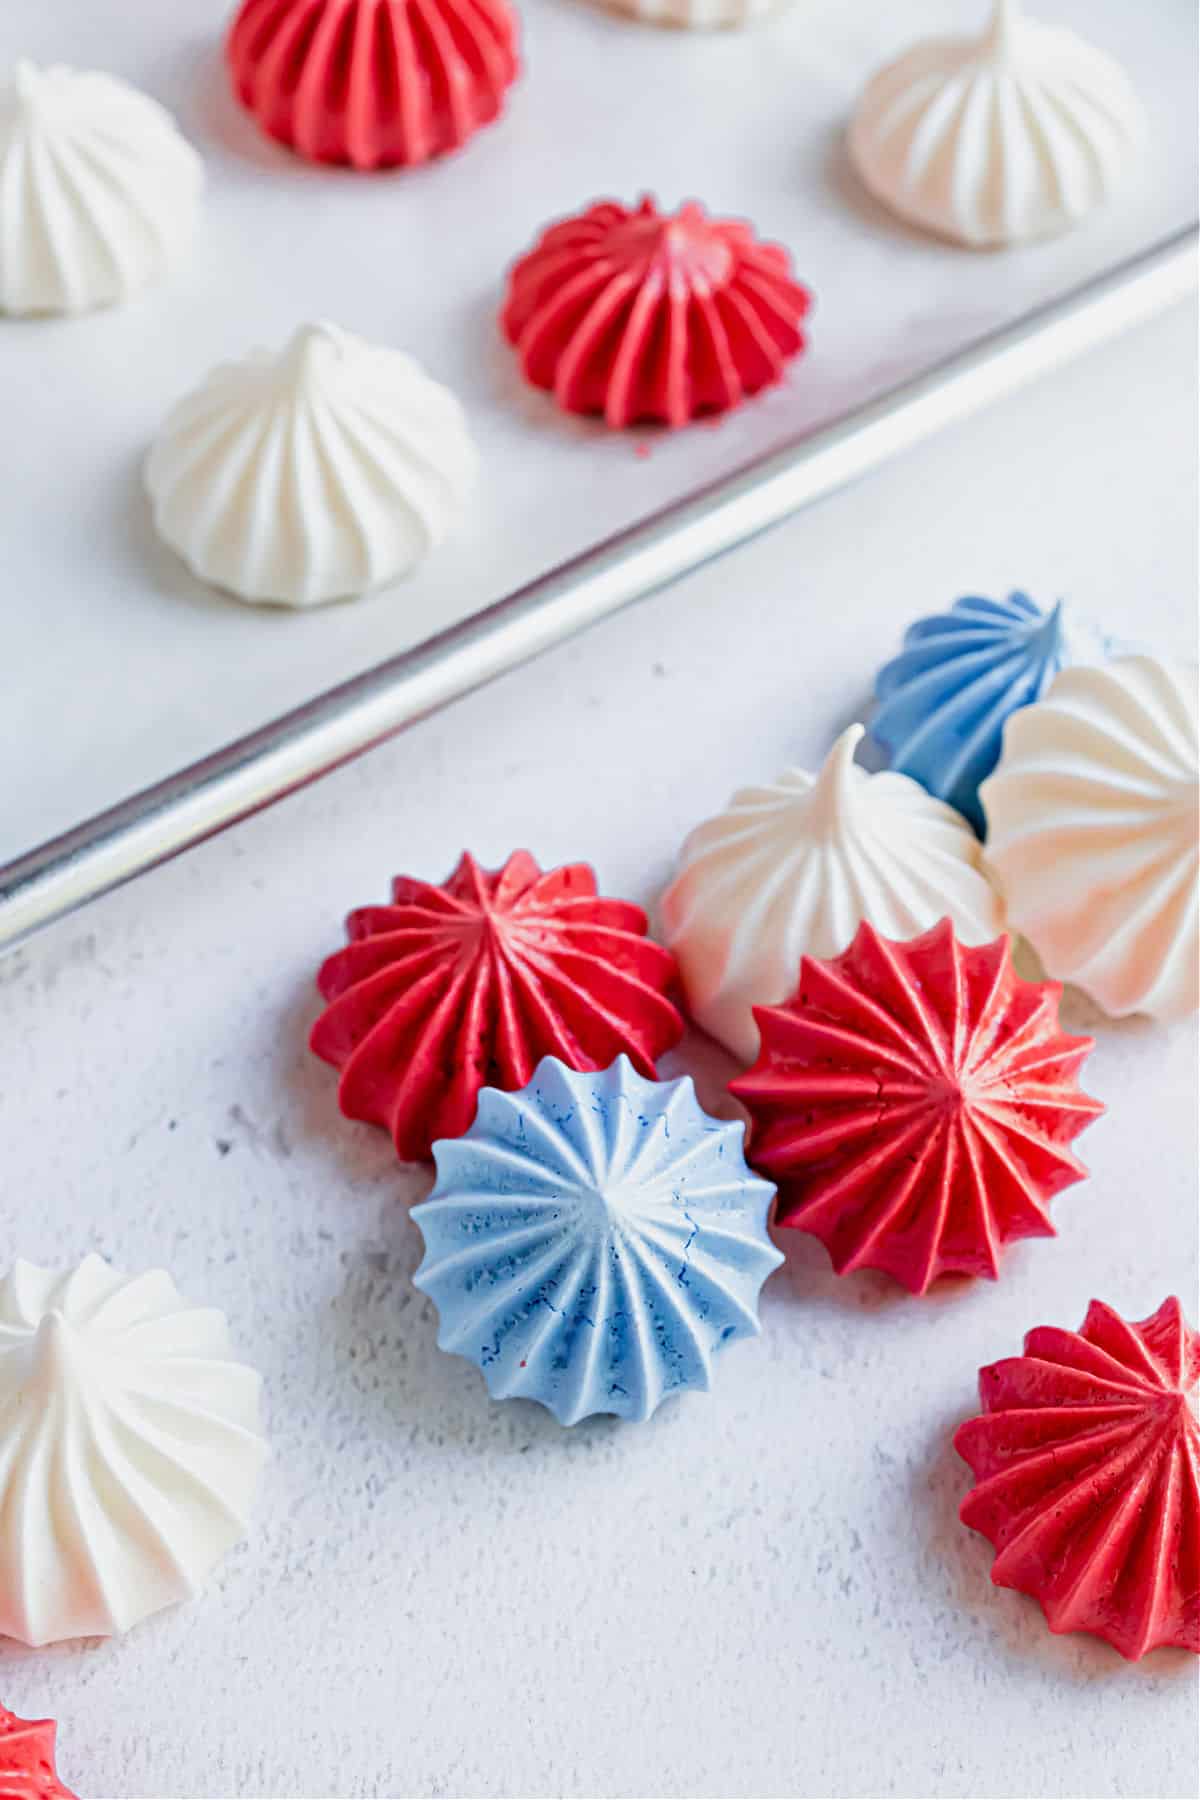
374 83
1087 1465
27 1769
914 1102
468 985
643 315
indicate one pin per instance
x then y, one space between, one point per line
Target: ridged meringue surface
594 1240
472 982
637 314
98 190
1012 135
129 1448
794 868
944 700
1086 1461
311 474
373 83
1092 832
916 1104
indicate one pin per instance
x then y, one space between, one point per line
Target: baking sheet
120 666
763 1591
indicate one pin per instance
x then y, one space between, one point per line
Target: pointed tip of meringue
381 455
1006 20
1051 628
54 1350
834 784
26 79
315 347
924 152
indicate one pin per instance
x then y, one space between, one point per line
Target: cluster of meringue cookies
1077 769
595 1240
841 932
332 467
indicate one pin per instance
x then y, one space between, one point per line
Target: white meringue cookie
992 140
129 1449
1092 832
311 474
793 870
98 190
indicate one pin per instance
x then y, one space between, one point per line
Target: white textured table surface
762 1592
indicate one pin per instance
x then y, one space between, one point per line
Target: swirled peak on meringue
639 315
98 190
130 1448
991 140
792 869
313 473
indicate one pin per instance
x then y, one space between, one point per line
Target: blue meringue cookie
944 700
593 1240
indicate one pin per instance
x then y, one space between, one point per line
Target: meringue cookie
129 1449
471 982
916 1103
944 700
27 1759
993 140
639 315
98 190
375 84
311 474
1092 832
793 869
594 1240
1086 1459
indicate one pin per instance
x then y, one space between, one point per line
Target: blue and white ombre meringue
944 700
593 1240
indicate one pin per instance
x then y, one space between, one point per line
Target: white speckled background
763 1592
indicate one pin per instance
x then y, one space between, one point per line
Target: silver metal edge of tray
253 771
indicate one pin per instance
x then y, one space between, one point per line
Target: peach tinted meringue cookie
311 474
98 190
1093 832
991 140
794 868
130 1449
638 315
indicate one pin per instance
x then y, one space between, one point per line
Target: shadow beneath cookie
711 1067
133 520
964 1559
383 1332
211 113
493 369
814 1282
354 1155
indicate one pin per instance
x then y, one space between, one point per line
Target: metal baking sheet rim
253 771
